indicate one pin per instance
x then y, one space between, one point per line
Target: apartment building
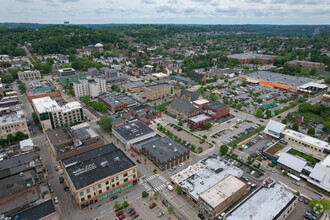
89 87
98 174
12 123
51 115
157 91
26 75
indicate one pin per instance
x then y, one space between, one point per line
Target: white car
181 164
55 200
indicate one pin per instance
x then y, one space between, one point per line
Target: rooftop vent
175 150
153 146
116 159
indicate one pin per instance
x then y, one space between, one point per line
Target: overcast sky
167 11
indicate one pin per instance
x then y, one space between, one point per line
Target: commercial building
134 86
309 142
89 87
182 108
271 201
43 91
66 80
100 173
277 80
247 58
290 163
183 80
117 101
145 113
198 121
274 129
203 175
12 123
313 88
307 64
222 195
27 75
67 142
51 115
218 108
325 100
164 152
198 77
66 72
157 91
319 178
133 132
9 101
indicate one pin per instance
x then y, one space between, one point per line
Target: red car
132 213
121 217
153 205
132 155
119 213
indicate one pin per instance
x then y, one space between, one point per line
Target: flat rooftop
37 212
117 99
265 204
292 162
216 105
274 128
250 56
89 167
133 130
11 118
277 77
201 101
222 191
47 104
83 130
307 139
205 174
165 148
133 85
199 118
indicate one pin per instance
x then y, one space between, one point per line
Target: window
99 186
134 176
133 171
112 180
108 188
125 174
125 180
117 178
89 196
107 183
113 185
100 191
81 193
88 190
117 184
82 199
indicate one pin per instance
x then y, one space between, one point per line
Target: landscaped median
234 143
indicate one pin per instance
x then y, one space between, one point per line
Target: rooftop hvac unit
153 146
116 159
170 144
175 150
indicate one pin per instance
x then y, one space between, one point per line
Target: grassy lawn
307 157
277 147
244 137
162 106
312 116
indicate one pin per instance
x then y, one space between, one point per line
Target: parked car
66 189
165 202
51 190
121 217
258 175
119 213
49 184
132 155
61 179
56 168
201 216
301 198
153 205
160 214
130 210
55 200
113 197
296 183
173 168
306 201
138 161
181 164
134 216
132 213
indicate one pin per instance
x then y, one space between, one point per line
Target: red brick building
218 108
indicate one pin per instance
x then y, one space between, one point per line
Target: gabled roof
193 95
196 76
182 105
274 128
292 162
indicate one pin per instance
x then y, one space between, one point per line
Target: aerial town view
170 110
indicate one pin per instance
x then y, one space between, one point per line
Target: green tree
86 99
125 204
19 136
10 138
224 149
192 147
207 125
268 113
312 71
284 121
295 126
180 123
311 131
259 113
156 195
200 149
179 190
105 123
117 206
170 209
144 194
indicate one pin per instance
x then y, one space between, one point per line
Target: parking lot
257 145
299 211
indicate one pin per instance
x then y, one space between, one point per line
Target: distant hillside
275 29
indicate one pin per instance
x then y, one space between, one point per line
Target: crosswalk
162 178
147 187
154 176
158 188
150 178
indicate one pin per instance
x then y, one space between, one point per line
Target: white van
169 187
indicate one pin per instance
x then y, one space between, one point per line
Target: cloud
149 2
254 1
107 10
25 1
65 1
201 1
173 1
228 11
164 8
297 2
190 10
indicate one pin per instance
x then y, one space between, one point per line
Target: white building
89 87
26 75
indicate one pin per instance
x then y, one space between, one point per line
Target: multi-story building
67 72
307 64
26 75
248 58
89 87
116 101
12 123
51 115
157 91
98 174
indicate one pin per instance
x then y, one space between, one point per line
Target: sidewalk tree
125 204
224 149
179 190
259 113
19 136
144 194
311 131
170 209
86 99
105 123
180 123
295 127
207 125
117 206
156 195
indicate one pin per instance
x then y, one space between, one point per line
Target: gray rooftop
291 161
117 99
164 148
216 105
277 77
37 212
134 84
133 130
182 105
89 167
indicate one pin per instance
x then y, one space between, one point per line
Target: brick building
157 91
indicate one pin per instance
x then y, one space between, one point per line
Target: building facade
11 124
27 75
89 87
51 115
157 91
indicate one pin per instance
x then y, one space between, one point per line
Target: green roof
43 89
